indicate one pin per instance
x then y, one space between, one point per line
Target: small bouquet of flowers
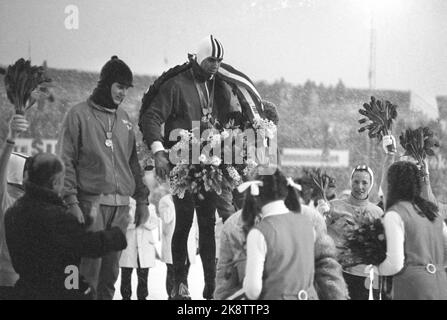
365 242
379 116
25 85
321 180
418 143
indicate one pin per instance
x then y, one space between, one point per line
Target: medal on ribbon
109 142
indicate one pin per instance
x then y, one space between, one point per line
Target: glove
76 212
162 166
389 144
141 214
323 207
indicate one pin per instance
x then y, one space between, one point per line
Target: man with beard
199 94
97 146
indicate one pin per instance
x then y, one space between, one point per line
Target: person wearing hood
11 188
341 213
98 147
189 97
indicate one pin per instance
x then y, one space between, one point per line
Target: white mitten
389 144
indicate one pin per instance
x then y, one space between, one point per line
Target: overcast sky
321 40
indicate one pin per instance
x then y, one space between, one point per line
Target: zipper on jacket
113 158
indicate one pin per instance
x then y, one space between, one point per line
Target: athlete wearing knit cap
114 80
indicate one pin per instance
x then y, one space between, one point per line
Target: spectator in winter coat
46 243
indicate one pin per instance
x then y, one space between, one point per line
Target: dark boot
180 292
209 271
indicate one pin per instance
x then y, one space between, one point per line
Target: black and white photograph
226 150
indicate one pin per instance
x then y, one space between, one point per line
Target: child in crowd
140 254
161 198
280 248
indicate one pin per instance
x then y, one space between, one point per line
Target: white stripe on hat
209 47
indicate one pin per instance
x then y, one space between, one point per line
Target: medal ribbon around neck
109 133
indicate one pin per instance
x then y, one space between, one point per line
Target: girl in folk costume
416 238
328 278
341 215
280 248
161 198
140 254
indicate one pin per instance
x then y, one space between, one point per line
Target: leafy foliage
21 81
419 143
365 243
379 116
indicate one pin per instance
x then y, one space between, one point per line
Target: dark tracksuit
178 103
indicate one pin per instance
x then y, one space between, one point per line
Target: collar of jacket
99 108
42 194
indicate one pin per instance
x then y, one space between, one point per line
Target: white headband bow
292 184
253 185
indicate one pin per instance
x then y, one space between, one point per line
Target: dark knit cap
115 70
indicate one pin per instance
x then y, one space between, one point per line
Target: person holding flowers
342 217
416 238
201 94
11 188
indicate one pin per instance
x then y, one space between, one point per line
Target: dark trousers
102 273
357 289
126 283
205 209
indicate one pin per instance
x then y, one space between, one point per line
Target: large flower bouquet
378 118
365 242
25 85
419 143
217 158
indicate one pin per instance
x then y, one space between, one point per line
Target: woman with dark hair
328 278
416 238
280 247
